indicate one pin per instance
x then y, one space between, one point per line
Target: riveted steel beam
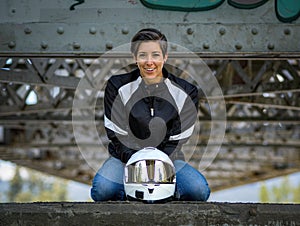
51 28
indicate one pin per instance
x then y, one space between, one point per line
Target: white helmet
149 175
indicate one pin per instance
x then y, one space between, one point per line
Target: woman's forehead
149 46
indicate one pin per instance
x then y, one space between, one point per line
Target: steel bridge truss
261 103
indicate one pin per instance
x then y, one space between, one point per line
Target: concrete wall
136 213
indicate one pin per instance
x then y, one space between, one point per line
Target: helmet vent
150 190
139 194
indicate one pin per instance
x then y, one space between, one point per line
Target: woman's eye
141 55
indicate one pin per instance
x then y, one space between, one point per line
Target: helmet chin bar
149 176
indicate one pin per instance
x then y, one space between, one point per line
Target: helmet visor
150 171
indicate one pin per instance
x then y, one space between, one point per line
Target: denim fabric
108 182
191 185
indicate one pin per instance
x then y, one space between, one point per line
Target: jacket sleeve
116 123
182 128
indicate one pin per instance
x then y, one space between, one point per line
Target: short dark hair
149 34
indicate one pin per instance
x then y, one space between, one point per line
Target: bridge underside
54 65
44 127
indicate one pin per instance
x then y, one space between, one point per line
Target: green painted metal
179 5
246 4
287 10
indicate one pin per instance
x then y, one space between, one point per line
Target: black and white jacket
139 115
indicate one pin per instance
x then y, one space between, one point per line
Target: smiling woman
149 107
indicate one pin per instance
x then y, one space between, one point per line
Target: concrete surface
136 213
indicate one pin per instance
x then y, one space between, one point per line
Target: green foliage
15 185
285 192
36 187
264 195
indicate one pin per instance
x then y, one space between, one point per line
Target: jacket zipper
152 107
152 111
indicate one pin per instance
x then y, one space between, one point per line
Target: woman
149 107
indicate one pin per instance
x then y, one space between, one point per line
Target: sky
250 192
76 191
246 193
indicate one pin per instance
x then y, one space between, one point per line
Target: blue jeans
191 185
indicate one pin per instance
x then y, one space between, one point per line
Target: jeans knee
204 193
201 191
193 193
104 190
99 192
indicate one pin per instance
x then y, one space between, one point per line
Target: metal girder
246 85
50 28
38 84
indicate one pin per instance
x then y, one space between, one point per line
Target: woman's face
150 61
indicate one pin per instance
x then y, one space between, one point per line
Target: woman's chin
152 79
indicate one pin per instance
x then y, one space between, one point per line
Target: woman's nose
149 60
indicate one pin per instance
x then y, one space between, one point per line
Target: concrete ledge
136 213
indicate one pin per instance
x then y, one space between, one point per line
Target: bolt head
93 30
125 31
222 31
287 31
44 45
76 45
254 31
189 31
60 30
271 46
27 30
11 44
109 45
238 46
205 46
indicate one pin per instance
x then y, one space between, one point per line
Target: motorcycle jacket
159 115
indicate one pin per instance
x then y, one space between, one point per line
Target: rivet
173 46
44 45
27 30
60 30
11 44
189 31
93 30
125 31
205 46
222 31
109 45
254 31
287 31
271 46
76 45
238 46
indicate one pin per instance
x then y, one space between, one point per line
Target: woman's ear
165 58
134 58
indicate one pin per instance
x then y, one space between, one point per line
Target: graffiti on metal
79 2
286 10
